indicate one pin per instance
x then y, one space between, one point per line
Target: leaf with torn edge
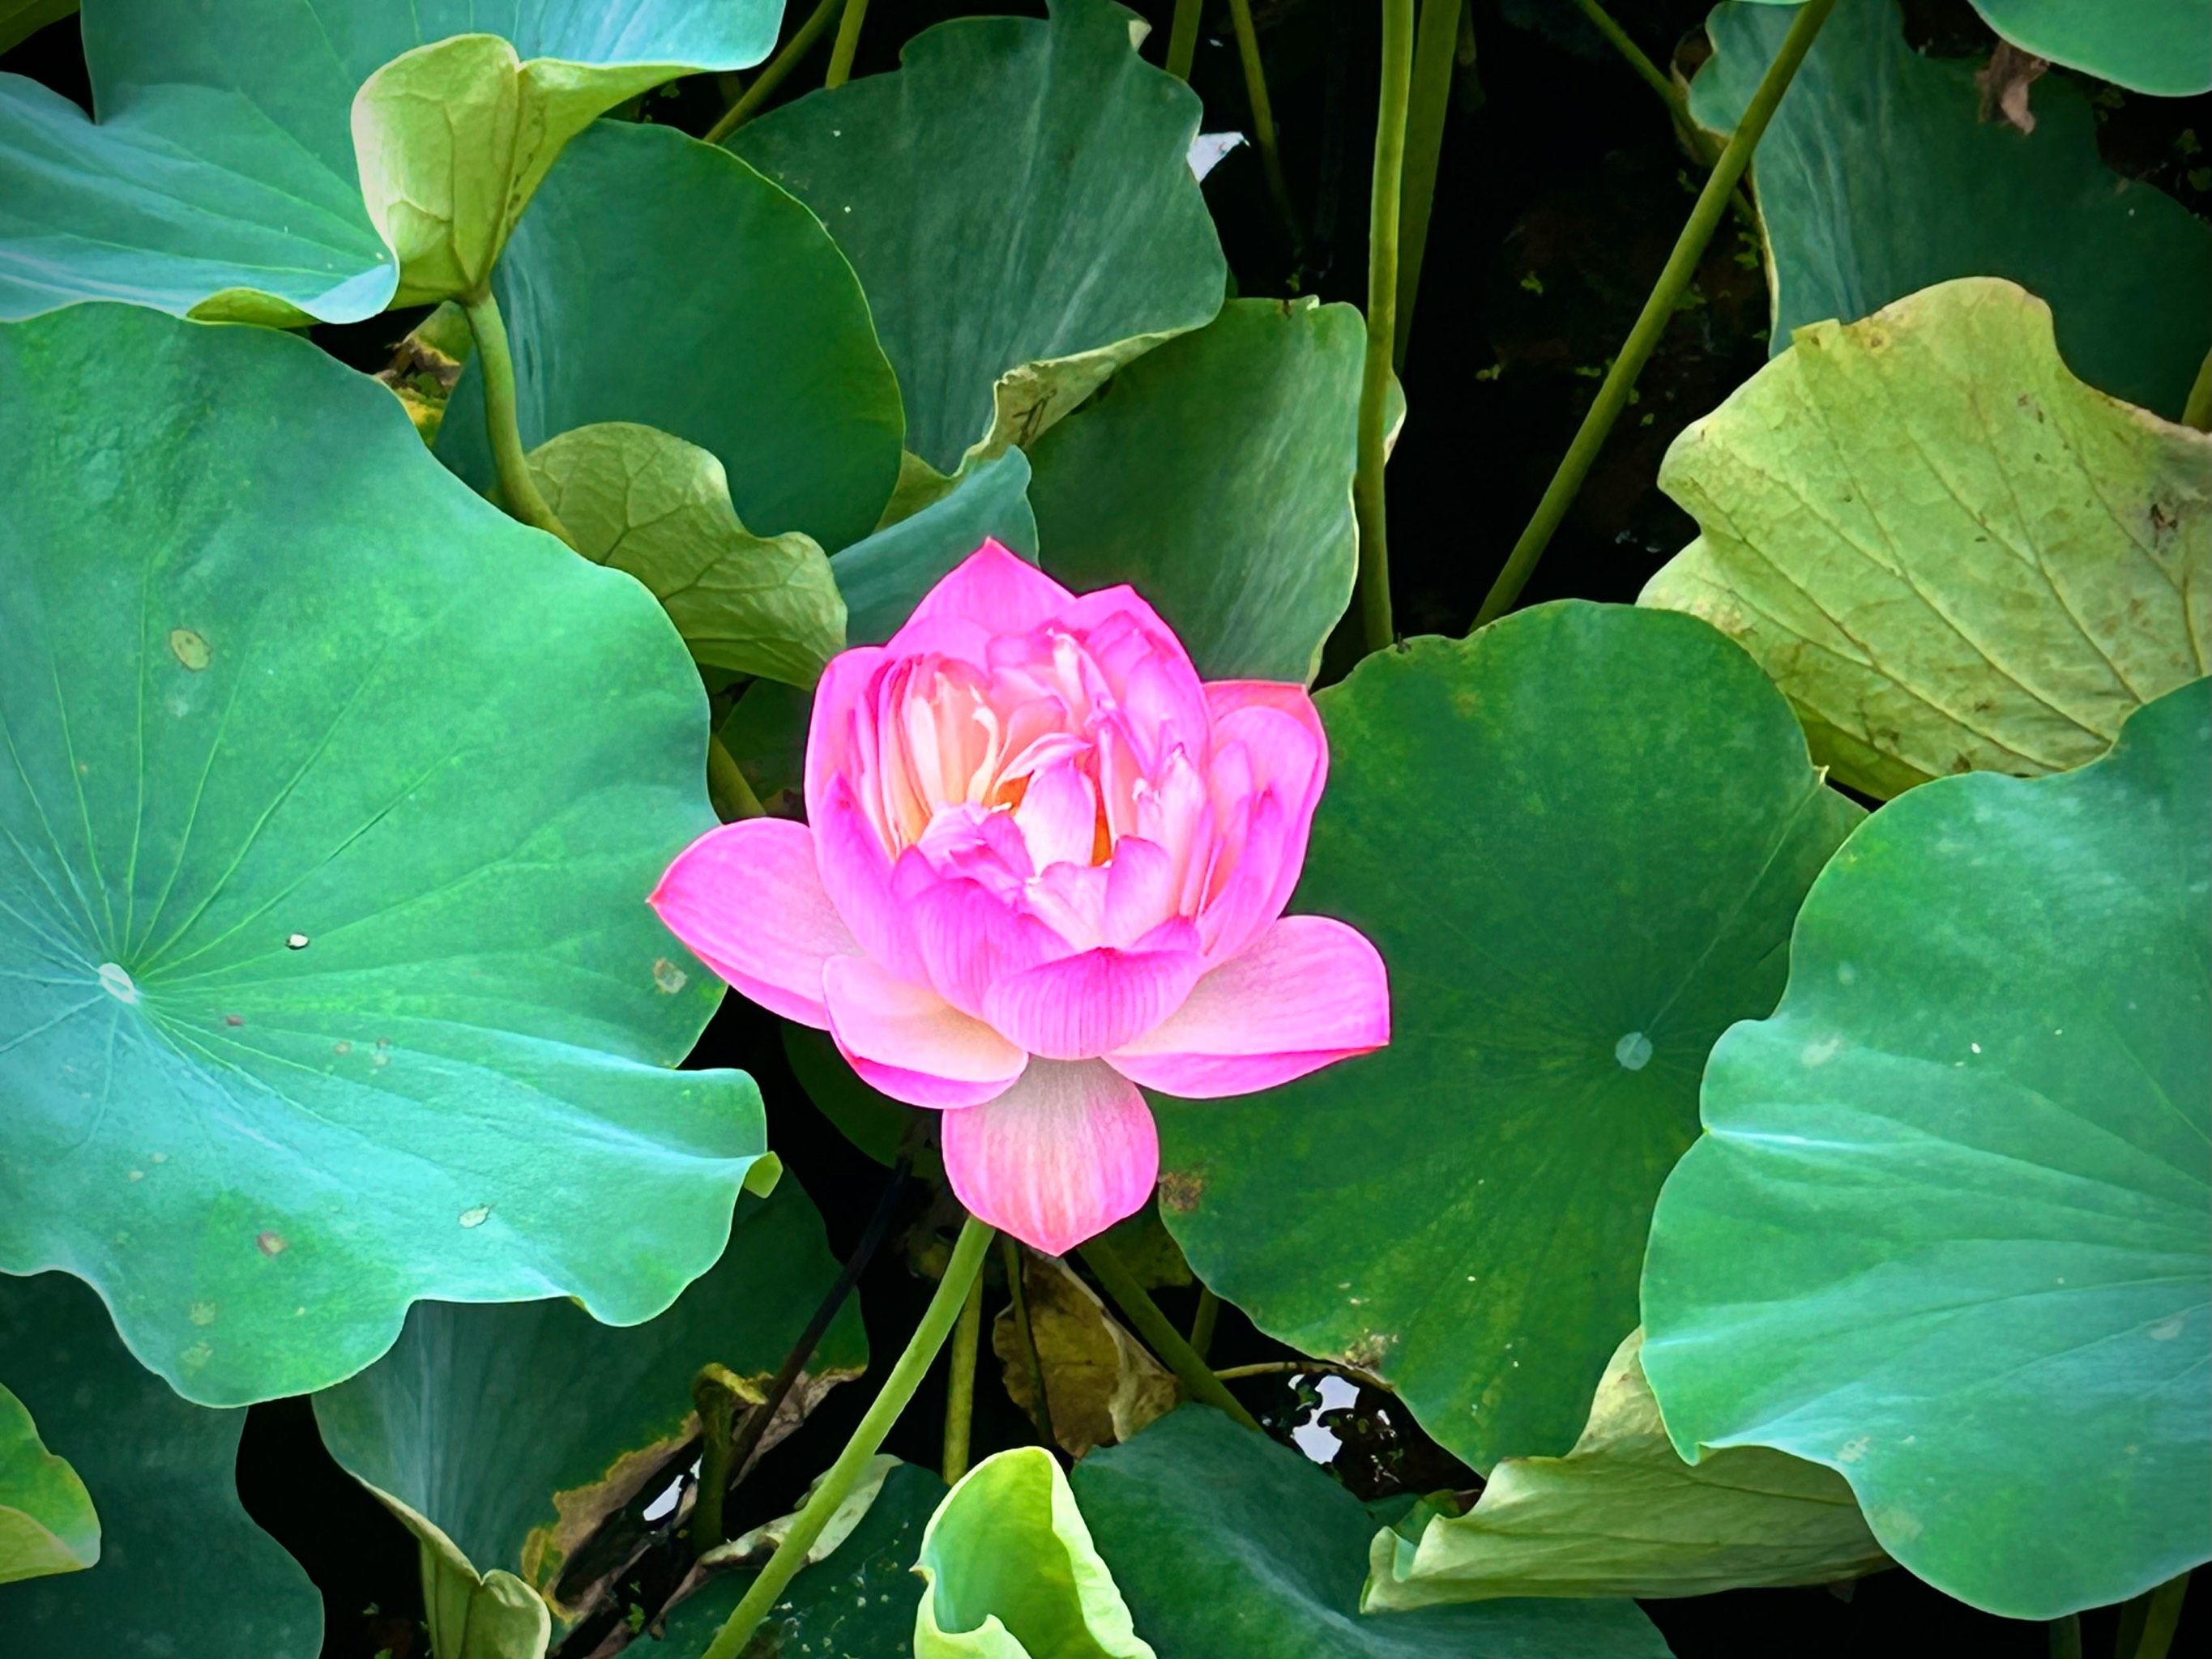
1948 552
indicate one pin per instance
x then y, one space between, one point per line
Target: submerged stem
1011 1259
1182 39
898 1388
2147 1622
1202 1322
2197 411
1435 50
1643 338
960 1389
517 489
727 785
1367 493
1263 120
849 42
765 83
1166 1341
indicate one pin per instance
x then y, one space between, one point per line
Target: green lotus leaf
1577 839
47 1523
223 180
1949 553
879 1126
1018 201
1947 1229
1216 476
729 319
329 981
859 1603
1226 1542
1878 178
471 1615
174 1539
2163 47
517 1431
1012 1573
22 19
1622 1515
659 508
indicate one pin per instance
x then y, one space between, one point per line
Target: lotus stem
1307 1367
1434 48
897 1390
718 1393
1367 493
1203 1321
1198 1382
1643 338
517 489
1011 1259
765 83
2147 1622
849 42
2197 411
1263 120
1701 145
960 1390
1182 39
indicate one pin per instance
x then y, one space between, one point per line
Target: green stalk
2147 1622
1367 491
720 1393
898 1388
1700 142
1011 1259
1643 338
1435 50
765 83
1263 118
2197 411
1182 39
849 42
960 1391
2065 1635
517 489
1203 1321
1198 1382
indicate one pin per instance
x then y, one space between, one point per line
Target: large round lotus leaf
1878 178
1577 838
1225 1542
1012 1573
518 1430
2163 47
1216 476
661 281
47 1523
2002 565
1947 1229
1018 201
183 1572
856 1603
1623 1514
323 845
221 177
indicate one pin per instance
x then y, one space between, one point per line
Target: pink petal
1060 1157
990 591
841 737
1059 815
970 939
1141 890
908 1042
857 874
1095 1001
747 900
1310 991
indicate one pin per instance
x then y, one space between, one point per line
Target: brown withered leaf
2004 82
1100 1384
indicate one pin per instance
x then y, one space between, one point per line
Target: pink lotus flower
1044 864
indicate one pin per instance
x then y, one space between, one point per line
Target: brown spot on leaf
189 649
271 1243
1181 1189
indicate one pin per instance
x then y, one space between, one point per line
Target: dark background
1561 190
